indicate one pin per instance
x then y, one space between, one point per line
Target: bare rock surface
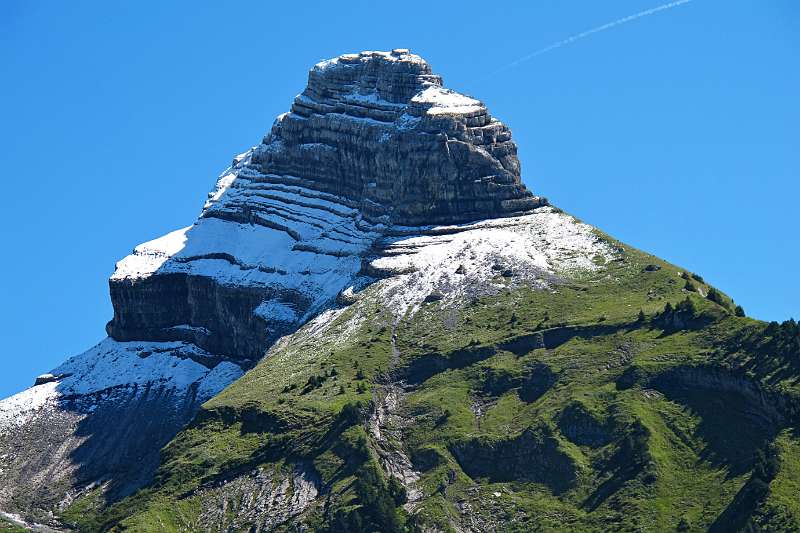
259 500
374 146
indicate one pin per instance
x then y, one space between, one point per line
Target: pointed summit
373 145
380 129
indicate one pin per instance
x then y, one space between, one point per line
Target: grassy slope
8 527
596 431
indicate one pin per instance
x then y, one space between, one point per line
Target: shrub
766 464
315 381
680 316
378 509
715 296
781 340
397 491
686 308
351 413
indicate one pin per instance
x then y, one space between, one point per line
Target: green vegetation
620 401
8 527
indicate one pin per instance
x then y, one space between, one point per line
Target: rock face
99 420
374 143
257 501
380 129
534 455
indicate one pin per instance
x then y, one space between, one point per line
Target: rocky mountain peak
380 129
394 76
379 196
374 146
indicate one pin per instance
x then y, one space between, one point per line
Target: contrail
587 33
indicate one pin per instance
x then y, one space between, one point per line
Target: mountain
374 326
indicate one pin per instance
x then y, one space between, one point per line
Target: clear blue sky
677 133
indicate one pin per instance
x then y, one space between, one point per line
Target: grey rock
44 378
110 439
364 129
259 500
374 131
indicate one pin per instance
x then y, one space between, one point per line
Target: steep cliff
373 144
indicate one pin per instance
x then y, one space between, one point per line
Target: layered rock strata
373 145
380 129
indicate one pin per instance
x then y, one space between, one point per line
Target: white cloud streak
587 33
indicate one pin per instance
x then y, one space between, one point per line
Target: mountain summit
374 326
380 130
372 145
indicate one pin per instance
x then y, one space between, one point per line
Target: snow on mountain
453 262
98 374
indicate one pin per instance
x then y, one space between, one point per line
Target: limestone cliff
373 144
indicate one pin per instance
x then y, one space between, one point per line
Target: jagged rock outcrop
258 501
373 144
380 129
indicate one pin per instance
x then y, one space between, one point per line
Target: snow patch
345 60
371 98
220 377
407 122
277 311
190 328
27 405
446 101
223 184
532 248
112 364
148 257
